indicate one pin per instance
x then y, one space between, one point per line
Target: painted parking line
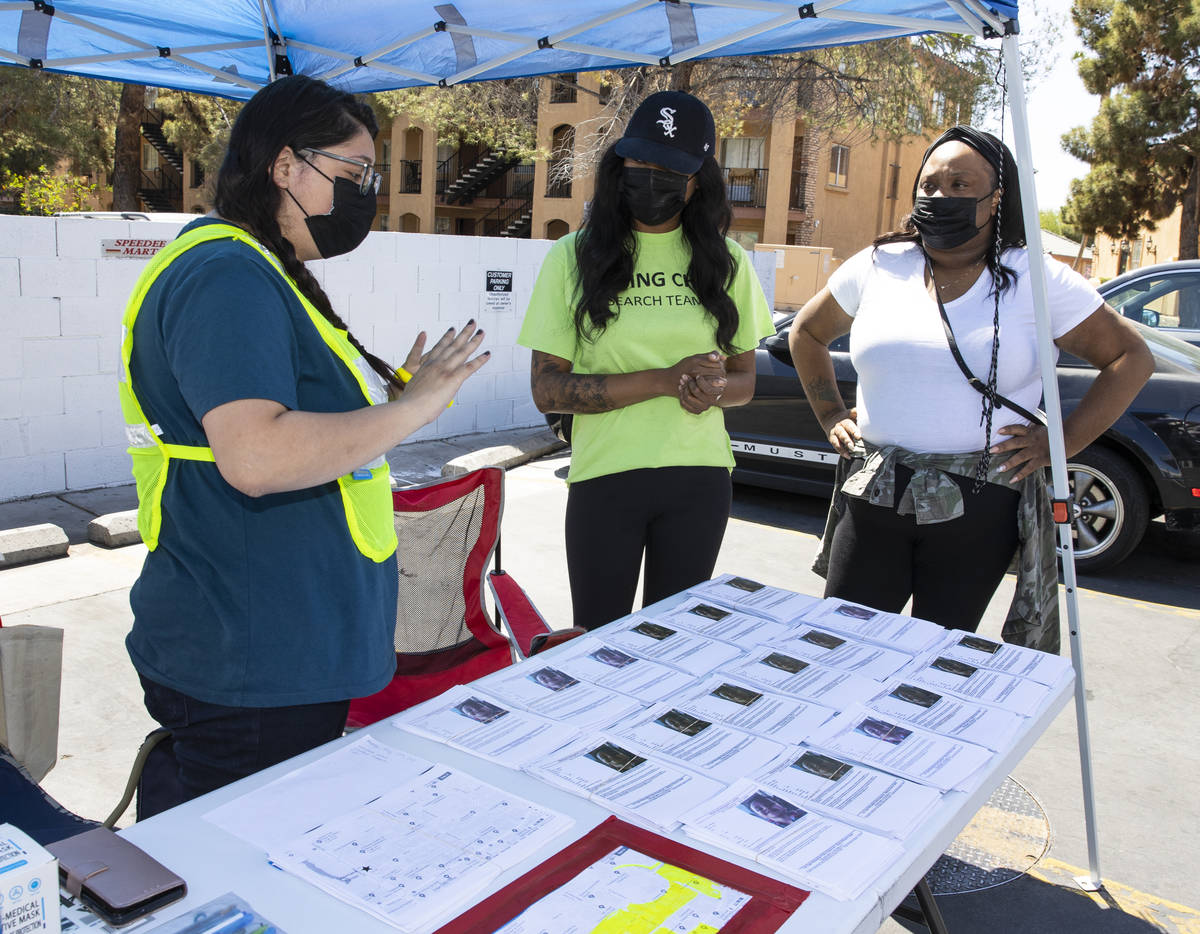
1166 916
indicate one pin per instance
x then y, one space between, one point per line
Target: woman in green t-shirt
643 326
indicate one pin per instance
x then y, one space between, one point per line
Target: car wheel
1112 508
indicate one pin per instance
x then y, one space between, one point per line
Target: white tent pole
1058 458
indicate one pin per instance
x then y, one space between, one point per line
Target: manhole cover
1005 840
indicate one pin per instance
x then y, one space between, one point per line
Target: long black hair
302 113
1009 223
604 250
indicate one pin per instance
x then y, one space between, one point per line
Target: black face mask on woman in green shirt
654 196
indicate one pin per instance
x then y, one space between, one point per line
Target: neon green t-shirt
659 322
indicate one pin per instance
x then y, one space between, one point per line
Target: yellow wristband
405 376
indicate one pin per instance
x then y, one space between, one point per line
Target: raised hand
442 370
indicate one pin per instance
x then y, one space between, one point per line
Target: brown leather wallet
115 878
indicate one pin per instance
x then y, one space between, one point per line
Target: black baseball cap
671 129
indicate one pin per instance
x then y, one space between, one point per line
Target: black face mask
946 223
654 196
347 223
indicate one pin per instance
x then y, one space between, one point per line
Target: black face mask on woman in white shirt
946 223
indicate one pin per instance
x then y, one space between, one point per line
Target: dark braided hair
1009 232
302 113
604 250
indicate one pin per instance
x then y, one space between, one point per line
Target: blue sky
1056 103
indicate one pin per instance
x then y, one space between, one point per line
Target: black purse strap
976 383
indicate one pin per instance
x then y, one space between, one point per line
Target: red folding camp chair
448 531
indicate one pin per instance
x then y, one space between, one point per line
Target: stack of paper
947 714
753 597
1010 659
839 651
718 622
776 830
349 776
696 743
906 633
868 737
603 768
551 692
941 673
795 677
470 720
678 648
853 793
424 849
736 702
589 659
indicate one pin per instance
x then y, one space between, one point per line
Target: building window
383 222
149 157
914 121
839 166
938 108
562 89
893 189
742 152
558 169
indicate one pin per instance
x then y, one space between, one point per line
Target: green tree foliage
198 124
887 89
43 192
1143 57
1058 222
48 118
495 114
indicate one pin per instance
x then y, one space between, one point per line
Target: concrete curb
32 543
504 455
115 530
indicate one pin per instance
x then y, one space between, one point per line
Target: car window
1168 302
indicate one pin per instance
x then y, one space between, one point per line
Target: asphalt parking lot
1141 629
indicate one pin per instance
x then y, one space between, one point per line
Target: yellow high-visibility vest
366 493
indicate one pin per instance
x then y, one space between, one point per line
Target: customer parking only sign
499 289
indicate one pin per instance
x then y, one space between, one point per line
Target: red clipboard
771 901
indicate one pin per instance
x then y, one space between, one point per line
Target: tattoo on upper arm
556 390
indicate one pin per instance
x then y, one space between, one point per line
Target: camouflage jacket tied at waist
932 496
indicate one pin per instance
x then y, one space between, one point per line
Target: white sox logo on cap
668 121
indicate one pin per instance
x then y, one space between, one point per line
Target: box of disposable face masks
28 885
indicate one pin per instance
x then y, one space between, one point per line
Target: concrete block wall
61 302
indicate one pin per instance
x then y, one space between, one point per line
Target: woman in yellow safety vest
258 427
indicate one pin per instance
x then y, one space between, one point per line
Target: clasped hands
701 381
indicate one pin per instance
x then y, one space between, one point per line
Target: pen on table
222 924
202 922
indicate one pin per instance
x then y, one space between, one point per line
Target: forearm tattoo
577 393
822 390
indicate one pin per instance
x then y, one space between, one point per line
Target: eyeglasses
368 181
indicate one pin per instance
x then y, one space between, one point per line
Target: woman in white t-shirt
941 483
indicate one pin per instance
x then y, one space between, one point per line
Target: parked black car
1145 465
1165 297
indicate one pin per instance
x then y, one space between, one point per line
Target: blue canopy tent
232 48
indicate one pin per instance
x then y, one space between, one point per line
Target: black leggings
950 569
675 515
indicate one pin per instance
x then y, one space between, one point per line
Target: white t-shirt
911 393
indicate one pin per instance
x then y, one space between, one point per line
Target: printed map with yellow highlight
629 893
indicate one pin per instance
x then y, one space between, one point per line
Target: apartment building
786 186
1158 244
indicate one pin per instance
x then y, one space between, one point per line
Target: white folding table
214 862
